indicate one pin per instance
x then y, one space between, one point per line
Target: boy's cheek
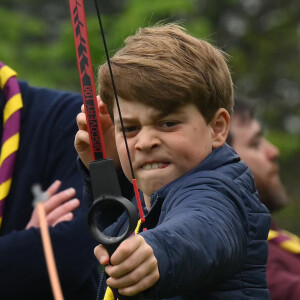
125 165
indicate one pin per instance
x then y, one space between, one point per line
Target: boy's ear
220 127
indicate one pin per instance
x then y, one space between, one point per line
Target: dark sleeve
46 153
283 274
202 228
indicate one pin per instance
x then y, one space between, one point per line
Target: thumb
102 255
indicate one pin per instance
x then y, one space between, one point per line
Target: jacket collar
219 157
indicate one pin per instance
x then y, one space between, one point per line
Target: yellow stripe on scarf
6 73
13 104
4 189
272 234
292 245
10 146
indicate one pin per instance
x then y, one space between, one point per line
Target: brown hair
164 67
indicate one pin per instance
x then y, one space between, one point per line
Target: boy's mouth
153 166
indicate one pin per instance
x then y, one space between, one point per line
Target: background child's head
164 67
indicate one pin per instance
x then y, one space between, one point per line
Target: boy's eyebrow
166 113
124 120
157 116
118 122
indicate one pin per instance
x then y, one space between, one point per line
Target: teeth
152 166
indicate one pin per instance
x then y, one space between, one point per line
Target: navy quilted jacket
208 231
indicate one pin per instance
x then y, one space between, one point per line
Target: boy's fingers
140 279
102 107
82 146
125 267
131 270
82 140
98 99
134 276
126 249
81 121
139 287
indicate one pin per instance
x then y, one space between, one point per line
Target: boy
206 228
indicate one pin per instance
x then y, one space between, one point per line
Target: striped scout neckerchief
285 240
11 126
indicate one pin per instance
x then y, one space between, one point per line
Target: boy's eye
129 129
169 124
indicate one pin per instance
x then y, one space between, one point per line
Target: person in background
37 130
247 138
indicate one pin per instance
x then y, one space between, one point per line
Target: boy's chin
149 188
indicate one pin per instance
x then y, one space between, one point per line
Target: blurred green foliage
262 38
288 144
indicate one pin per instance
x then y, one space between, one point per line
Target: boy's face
162 148
261 156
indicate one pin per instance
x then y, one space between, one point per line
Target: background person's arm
46 154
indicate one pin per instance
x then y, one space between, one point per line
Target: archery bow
105 186
89 94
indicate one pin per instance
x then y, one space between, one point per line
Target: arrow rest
108 199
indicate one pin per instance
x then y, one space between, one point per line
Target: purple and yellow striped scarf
285 240
11 127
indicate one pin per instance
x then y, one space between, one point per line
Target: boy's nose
147 140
